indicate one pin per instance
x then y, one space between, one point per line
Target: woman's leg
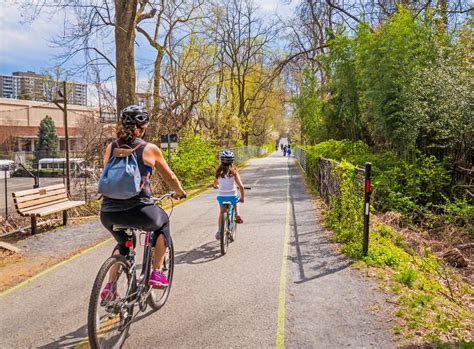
160 251
107 219
155 219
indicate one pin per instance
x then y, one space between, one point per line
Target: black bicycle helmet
134 115
226 156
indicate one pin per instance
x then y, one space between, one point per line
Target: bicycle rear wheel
224 232
159 296
233 233
109 317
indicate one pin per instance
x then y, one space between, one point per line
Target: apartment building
38 87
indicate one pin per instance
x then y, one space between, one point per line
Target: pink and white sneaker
158 279
109 293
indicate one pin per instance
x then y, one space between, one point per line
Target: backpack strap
124 152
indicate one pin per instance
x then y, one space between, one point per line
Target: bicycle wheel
233 234
158 296
109 316
223 229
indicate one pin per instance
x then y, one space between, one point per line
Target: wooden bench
42 202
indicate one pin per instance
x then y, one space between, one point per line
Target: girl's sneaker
218 235
158 279
238 219
109 293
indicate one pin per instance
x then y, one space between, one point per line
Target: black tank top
144 197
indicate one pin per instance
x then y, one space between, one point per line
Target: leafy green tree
308 108
439 107
47 139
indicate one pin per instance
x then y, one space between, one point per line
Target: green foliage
407 277
47 139
195 160
344 215
398 184
404 87
308 108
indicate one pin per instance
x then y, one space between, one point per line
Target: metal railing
329 185
245 153
300 154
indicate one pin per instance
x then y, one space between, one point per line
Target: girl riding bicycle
226 179
140 210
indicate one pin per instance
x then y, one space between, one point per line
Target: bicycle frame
230 210
138 286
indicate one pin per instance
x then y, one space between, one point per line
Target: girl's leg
219 219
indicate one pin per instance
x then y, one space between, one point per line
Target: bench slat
26 211
37 190
38 196
44 200
62 206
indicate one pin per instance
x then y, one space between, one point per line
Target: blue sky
25 46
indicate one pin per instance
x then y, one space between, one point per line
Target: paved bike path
230 301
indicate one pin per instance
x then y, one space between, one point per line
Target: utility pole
63 94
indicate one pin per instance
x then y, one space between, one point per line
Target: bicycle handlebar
167 195
246 188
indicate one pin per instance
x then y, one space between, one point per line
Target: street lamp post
63 94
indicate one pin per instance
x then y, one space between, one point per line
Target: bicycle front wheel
224 232
158 296
110 314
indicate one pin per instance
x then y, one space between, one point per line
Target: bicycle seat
120 227
226 203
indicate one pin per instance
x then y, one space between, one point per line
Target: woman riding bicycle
140 210
225 180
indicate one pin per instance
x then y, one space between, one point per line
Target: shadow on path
201 254
314 256
79 337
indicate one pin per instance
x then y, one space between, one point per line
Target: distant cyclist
226 180
140 210
288 150
285 148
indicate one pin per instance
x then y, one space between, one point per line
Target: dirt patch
36 251
16 268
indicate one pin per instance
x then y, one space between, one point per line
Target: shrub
407 277
195 160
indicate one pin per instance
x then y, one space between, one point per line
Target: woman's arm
241 187
164 170
216 183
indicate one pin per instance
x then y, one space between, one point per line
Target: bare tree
96 28
244 39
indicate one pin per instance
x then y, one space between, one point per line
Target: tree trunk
155 125
125 19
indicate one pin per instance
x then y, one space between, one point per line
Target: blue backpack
121 178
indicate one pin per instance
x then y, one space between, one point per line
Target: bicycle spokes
109 310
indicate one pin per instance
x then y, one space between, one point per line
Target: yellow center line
44 272
280 335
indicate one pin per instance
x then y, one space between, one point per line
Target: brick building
20 119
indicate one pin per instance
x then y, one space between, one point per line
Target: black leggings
147 218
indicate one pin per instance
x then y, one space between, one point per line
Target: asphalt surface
216 302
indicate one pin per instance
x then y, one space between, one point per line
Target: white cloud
23 44
282 8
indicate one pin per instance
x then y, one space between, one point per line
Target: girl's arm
241 187
216 183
